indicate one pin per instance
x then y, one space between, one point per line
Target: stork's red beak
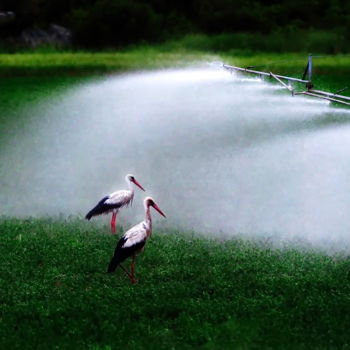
155 206
137 184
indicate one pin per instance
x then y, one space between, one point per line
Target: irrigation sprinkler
310 91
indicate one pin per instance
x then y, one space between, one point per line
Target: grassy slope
17 93
21 90
192 292
331 72
37 63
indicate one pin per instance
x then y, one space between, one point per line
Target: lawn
193 292
82 63
330 72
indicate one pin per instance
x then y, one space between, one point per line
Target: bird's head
149 202
131 178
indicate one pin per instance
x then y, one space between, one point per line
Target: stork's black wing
121 252
101 208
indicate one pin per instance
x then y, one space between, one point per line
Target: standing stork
134 240
113 202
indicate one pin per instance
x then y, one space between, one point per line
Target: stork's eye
132 178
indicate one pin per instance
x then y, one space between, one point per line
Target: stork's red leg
133 279
124 269
113 222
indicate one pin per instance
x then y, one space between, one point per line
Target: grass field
330 72
82 63
192 292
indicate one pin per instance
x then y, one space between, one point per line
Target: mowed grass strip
43 63
148 57
193 292
330 72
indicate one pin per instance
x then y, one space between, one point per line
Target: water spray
222 154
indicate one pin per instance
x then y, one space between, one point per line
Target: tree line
117 23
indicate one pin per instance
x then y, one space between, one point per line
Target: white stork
134 240
113 202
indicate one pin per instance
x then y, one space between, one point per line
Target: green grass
18 90
34 63
330 72
193 292
44 63
19 93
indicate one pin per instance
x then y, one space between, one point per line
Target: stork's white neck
148 218
131 188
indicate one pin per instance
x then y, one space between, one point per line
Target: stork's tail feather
92 213
98 209
113 264
88 216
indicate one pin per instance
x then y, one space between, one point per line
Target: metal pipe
281 82
264 73
323 97
330 94
315 93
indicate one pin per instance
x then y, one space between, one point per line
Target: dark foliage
115 23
